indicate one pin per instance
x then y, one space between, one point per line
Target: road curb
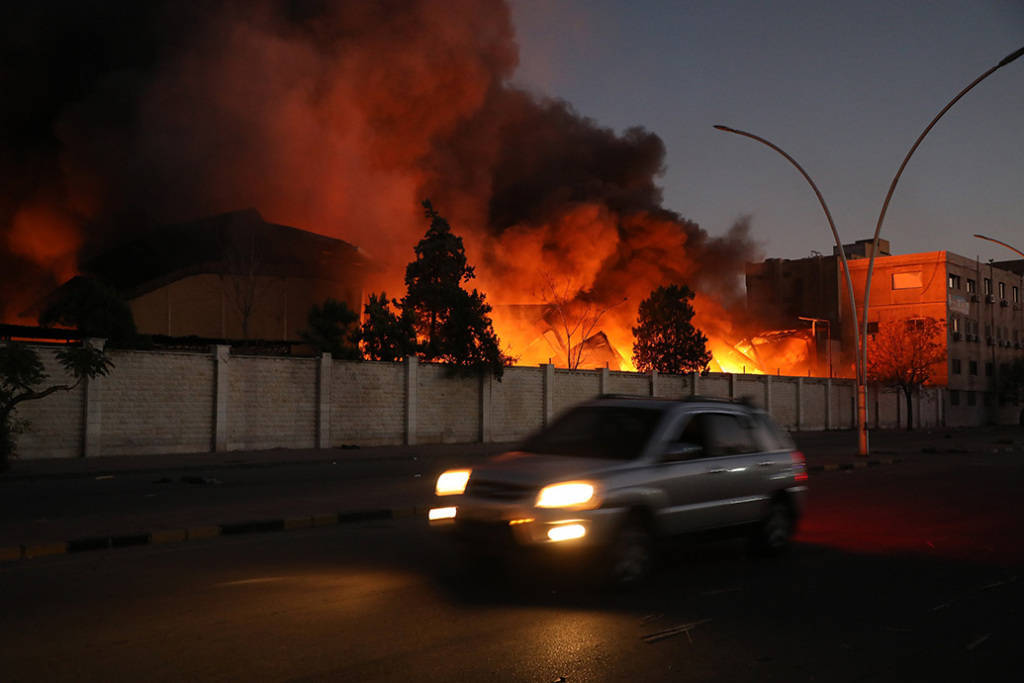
28 551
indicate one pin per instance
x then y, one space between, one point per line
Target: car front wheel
632 554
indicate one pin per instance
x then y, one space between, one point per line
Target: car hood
521 467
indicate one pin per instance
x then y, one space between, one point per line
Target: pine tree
387 335
452 325
334 329
666 339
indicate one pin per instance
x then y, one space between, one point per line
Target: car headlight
566 494
451 482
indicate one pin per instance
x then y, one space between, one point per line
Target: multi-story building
981 303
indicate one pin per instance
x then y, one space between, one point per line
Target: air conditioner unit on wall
1004 303
989 299
974 298
956 336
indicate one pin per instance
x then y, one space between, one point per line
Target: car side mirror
683 451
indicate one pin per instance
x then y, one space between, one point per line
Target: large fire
341 118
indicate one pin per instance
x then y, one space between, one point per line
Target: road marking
44 549
203 532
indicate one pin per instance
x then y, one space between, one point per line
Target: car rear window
611 432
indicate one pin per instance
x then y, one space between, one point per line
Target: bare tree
241 278
574 317
905 354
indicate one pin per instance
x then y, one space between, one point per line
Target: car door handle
716 470
766 463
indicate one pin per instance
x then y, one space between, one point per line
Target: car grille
497 490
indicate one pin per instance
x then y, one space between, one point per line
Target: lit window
1002 290
954 323
954 281
911 280
988 285
1015 291
972 286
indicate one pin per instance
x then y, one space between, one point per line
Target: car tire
775 530
631 557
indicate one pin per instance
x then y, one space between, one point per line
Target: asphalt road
902 573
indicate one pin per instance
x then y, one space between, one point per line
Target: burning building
342 118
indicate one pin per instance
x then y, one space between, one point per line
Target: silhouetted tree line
438 319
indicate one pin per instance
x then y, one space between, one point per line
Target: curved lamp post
862 423
992 239
861 333
892 187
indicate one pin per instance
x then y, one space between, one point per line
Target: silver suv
616 473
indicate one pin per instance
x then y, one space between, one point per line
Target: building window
1015 291
986 398
911 280
971 398
988 285
954 324
972 367
988 369
954 281
954 397
988 331
1002 290
914 324
956 366
972 286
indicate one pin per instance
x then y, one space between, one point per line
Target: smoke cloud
336 117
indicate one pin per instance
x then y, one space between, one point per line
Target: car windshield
611 432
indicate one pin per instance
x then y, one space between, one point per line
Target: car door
733 467
693 491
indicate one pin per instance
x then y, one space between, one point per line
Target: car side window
729 434
769 437
689 443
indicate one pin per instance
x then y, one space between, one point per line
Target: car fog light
441 513
566 532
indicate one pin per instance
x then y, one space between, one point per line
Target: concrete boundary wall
178 402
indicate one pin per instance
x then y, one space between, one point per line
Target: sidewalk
73 505
820 448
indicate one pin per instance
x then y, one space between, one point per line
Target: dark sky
844 87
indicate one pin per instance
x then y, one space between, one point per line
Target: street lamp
892 187
828 339
992 239
861 337
859 362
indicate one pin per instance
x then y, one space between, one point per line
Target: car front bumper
510 524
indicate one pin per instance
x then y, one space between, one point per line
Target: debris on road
673 631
